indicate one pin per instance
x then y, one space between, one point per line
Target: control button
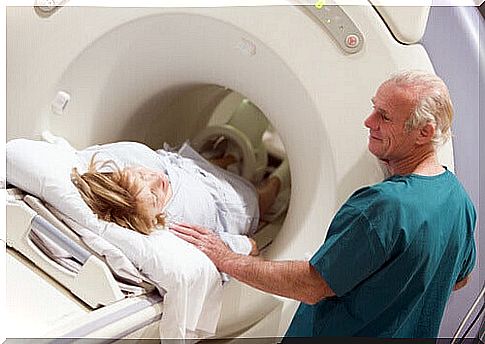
60 102
352 41
47 5
247 47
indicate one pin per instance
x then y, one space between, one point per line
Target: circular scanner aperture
219 123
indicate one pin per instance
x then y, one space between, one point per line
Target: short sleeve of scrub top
469 262
351 252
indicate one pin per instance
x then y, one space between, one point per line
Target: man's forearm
293 279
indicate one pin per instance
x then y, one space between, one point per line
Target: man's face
389 140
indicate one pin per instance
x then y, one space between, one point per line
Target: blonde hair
432 102
112 196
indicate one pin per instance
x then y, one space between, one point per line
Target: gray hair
432 99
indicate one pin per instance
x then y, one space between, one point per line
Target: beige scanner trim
406 23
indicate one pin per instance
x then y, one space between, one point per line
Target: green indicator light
319 4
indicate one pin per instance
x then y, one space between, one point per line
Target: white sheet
193 286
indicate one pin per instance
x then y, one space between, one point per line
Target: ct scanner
156 75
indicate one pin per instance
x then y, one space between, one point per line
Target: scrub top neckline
446 172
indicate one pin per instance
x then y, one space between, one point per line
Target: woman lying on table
188 189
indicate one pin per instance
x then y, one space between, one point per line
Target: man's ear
426 133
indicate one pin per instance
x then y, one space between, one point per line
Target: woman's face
154 186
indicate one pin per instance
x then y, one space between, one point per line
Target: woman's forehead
134 179
139 171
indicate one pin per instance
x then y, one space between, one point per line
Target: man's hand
461 284
205 240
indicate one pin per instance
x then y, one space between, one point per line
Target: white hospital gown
211 197
203 194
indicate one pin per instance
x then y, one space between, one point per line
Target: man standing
395 250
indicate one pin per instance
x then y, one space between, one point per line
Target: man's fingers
201 229
187 238
185 230
199 244
196 228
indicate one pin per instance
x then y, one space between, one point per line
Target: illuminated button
352 41
319 4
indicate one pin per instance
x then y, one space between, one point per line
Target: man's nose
371 122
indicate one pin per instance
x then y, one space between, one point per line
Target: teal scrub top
392 255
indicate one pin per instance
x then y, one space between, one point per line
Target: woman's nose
156 180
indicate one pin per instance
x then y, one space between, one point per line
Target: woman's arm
240 243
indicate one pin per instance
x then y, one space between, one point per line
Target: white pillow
43 170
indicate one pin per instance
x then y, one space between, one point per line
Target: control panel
338 24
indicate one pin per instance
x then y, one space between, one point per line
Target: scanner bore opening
218 121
